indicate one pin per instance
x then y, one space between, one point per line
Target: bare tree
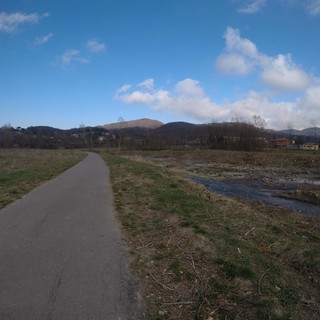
314 123
290 125
6 138
259 122
122 125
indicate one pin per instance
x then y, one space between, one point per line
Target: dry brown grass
203 256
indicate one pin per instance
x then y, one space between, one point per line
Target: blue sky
71 62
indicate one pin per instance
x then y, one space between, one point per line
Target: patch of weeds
159 257
234 270
143 225
189 276
161 246
275 230
200 230
173 185
176 269
233 241
266 315
187 222
289 295
312 259
158 223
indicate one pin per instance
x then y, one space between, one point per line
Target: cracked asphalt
61 252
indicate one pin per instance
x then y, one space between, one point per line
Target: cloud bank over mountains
278 76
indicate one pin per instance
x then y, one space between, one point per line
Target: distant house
280 143
310 146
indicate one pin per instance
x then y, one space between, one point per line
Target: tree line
235 135
53 138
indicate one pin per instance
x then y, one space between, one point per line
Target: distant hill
53 138
308 132
153 134
140 123
176 126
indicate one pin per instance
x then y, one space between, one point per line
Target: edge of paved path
128 281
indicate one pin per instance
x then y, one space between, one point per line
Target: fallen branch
172 303
161 284
259 282
189 257
249 231
145 246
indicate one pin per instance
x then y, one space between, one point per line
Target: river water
240 190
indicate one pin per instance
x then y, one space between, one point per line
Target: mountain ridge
138 123
155 124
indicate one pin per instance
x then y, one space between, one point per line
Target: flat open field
200 255
292 175
22 170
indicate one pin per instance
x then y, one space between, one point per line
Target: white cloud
282 74
279 74
189 88
42 40
76 56
313 7
307 108
70 56
311 100
234 43
10 22
147 98
147 84
241 57
252 6
233 63
95 46
124 88
187 98
254 103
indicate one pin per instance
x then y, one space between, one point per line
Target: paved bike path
61 254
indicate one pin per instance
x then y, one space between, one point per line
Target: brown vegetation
204 256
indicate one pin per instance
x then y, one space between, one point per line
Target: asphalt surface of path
61 254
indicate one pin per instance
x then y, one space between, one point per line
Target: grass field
203 256
199 255
22 170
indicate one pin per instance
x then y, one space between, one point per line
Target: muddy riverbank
248 190
288 180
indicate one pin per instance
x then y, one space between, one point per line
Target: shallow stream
238 189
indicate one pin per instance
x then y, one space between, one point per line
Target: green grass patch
200 255
22 170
